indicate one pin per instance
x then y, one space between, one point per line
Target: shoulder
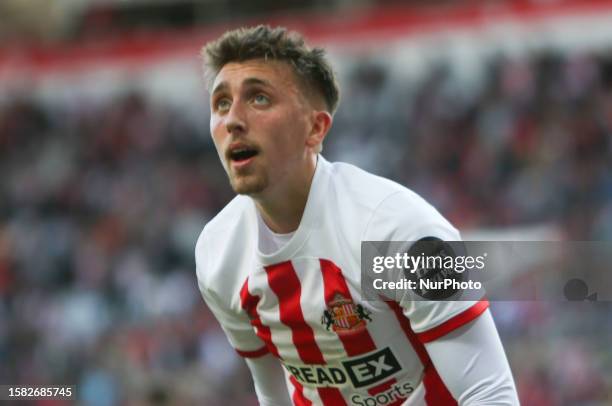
227 234
391 211
355 188
363 186
406 216
231 215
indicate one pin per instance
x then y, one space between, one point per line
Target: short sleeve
405 216
226 308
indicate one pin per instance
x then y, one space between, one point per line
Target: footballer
279 266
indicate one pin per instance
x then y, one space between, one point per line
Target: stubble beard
250 183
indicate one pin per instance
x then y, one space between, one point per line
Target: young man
279 266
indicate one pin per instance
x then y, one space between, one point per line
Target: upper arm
224 301
471 362
405 217
269 380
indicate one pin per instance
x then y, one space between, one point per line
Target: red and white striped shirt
303 303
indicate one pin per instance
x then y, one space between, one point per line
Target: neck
282 207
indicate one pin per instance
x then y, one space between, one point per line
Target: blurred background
497 112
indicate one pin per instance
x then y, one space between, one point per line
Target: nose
235 121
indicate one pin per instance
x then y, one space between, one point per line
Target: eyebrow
247 82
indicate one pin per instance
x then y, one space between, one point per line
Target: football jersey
303 302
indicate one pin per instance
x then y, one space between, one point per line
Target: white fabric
269 241
345 206
472 363
269 381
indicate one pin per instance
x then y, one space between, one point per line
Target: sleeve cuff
454 323
253 354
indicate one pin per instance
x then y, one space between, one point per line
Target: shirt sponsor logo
358 371
399 391
344 316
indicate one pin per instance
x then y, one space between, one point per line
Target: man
279 266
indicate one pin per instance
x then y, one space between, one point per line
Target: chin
249 186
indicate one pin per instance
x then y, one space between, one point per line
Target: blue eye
261 99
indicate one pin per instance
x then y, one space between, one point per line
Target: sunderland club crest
344 316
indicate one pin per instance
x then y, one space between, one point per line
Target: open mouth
242 154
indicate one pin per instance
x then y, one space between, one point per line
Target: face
260 123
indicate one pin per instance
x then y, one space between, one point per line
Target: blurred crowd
101 203
528 142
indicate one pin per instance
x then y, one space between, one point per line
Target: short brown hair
264 42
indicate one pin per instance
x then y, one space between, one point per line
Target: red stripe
298 394
457 321
360 341
285 284
249 304
334 283
253 354
384 387
331 396
436 393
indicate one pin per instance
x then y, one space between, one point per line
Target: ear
321 123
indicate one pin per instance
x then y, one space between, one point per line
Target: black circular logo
433 280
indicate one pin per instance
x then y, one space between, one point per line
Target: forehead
274 73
